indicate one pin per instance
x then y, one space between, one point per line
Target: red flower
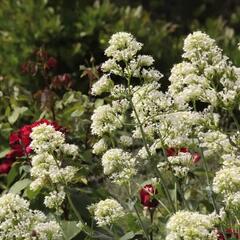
51 63
147 196
229 233
60 81
174 152
5 166
20 140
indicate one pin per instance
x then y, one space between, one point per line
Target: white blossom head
107 212
187 225
18 221
45 138
119 165
122 46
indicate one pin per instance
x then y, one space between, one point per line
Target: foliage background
76 33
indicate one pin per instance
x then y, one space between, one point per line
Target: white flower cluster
122 47
100 147
17 221
107 211
47 169
205 74
215 142
227 181
105 120
119 165
103 85
46 139
55 200
181 164
187 225
45 142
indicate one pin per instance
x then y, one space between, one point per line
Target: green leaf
70 229
4 152
31 194
16 113
13 174
20 185
127 236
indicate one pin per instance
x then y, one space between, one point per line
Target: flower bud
147 194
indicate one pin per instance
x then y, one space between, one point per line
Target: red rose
51 63
5 166
147 196
20 140
229 233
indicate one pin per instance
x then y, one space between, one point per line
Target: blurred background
50 51
76 31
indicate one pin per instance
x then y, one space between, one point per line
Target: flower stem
150 156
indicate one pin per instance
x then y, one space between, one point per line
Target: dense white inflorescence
195 113
119 165
17 221
55 199
187 225
107 212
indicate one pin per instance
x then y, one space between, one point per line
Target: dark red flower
229 233
61 81
25 68
171 152
20 140
147 198
174 152
51 63
5 166
196 157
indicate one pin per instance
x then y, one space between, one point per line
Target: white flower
233 201
50 230
227 180
190 226
151 75
126 141
122 46
45 138
105 120
200 43
119 91
55 200
110 66
181 164
45 168
103 85
63 175
70 149
106 212
100 147
145 60
17 221
119 165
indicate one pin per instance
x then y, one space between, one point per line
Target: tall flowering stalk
172 156
172 135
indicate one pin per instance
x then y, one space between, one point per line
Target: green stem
150 156
77 214
141 223
208 179
235 120
151 218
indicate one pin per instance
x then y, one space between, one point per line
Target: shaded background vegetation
76 32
